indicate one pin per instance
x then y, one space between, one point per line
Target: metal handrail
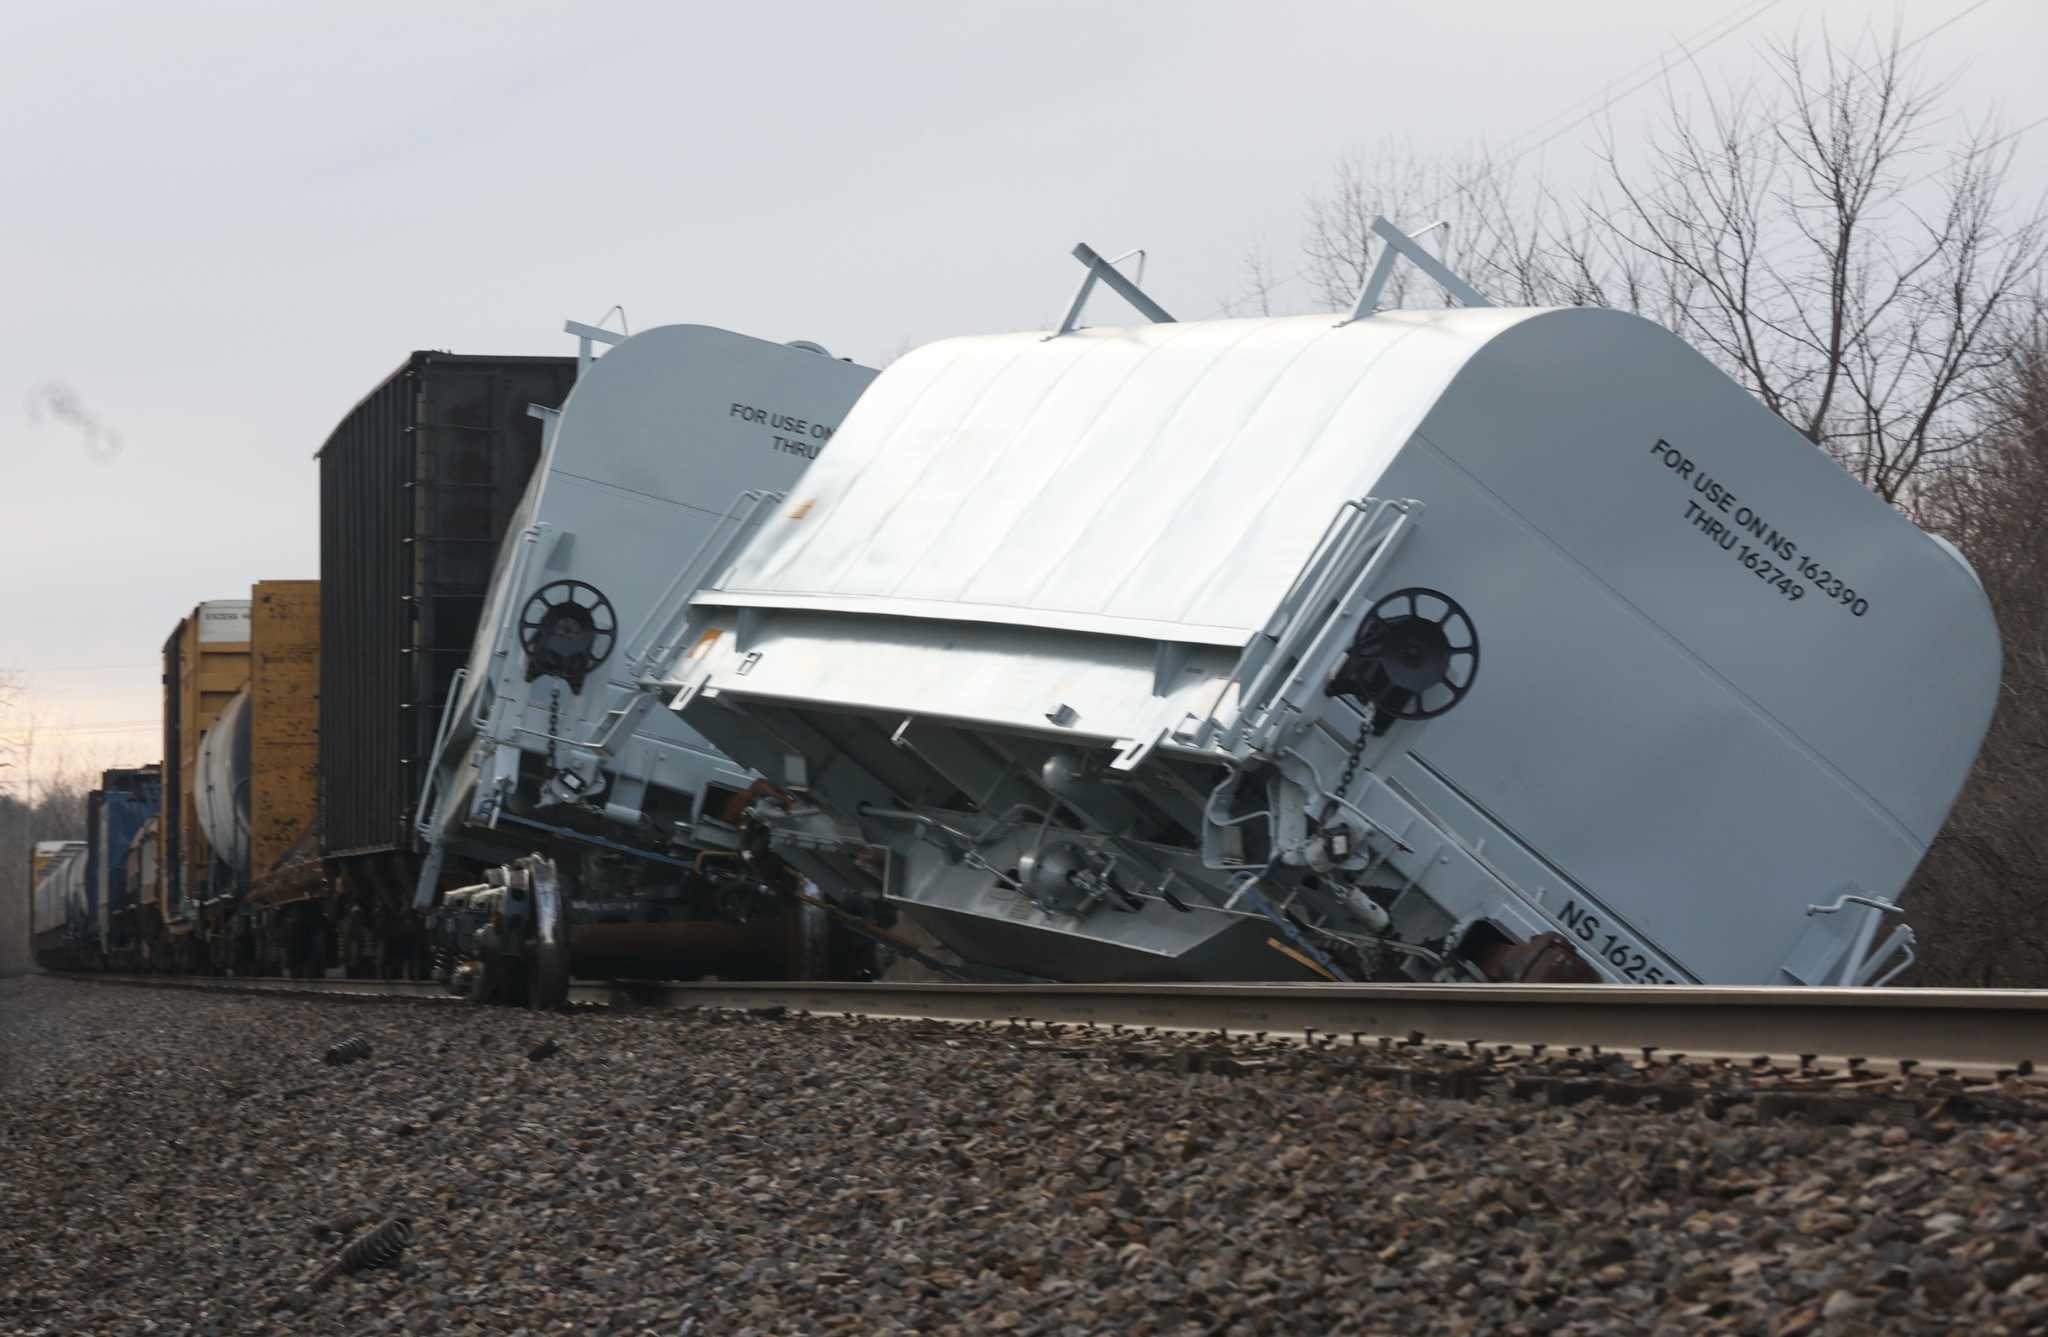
1350 559
660 622
422 820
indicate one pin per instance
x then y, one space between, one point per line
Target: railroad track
1974 1031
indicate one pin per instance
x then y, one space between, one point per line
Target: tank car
1457 644
61 930
254 793
240 740
206 663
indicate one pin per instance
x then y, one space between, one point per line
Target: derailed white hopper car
1451 644
544 749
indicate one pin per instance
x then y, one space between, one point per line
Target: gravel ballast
177 1162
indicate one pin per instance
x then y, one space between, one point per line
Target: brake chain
1351 762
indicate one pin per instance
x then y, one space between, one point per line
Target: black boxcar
417 486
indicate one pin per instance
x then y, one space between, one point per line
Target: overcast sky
221 224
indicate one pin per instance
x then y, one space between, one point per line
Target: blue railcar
127 797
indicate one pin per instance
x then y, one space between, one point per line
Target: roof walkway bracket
1399 244
1106 271
586 335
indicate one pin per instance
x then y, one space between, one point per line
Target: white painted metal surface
58 896
220 791
657 438
224 620
1722 682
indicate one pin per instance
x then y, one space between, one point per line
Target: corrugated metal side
417 486
284 725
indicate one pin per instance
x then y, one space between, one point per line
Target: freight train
1463 644
83 893
1460 644
282 833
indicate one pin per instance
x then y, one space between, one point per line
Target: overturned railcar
609 810
1456 644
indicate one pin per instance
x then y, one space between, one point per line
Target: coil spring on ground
379 1248
444 963
349 1050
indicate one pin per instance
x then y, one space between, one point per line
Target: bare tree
17 737
33 807
1810 233
1258 290
1476 213
1978 894
1812 236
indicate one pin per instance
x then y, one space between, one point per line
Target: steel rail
1959 1028
1973 1029
431 990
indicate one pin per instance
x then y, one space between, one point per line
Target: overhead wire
135 667
1662 63
1741 16
75 730
1986 147
1657 62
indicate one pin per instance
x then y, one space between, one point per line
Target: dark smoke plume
60 403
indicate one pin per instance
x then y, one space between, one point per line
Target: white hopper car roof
1658 716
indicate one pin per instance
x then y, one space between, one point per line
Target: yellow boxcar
206 662
284 740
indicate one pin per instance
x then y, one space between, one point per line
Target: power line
1769 255
1948 22
1663 71
1662 61
1658 62
135 667
1986 147
39 731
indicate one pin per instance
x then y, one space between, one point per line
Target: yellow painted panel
284 722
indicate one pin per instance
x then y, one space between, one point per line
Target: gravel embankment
169 1160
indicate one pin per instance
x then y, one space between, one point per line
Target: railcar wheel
547 979
483 982
809 955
